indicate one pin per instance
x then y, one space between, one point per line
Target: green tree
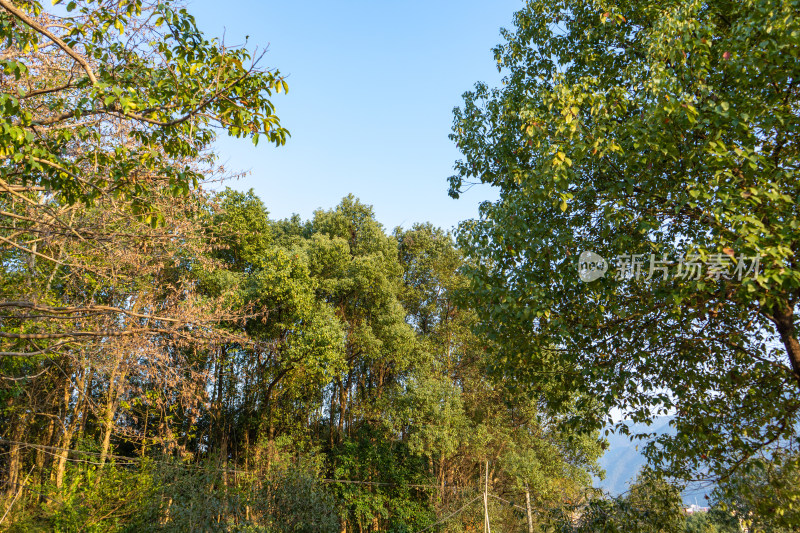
645 132
358 273
457 418
139 68
713 521
764 494
285 345
651 505
356 267
108 111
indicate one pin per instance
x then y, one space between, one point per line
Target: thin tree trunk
115 384
71 425
332 414
528 508
84 412
487 528
15 455
342 408
42 459
144 431
441 474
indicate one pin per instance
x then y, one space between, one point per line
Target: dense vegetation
173 359
330 350
176 360
662 139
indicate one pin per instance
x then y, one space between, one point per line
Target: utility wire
133 460
508 502
451 515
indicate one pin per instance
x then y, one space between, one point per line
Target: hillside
623 460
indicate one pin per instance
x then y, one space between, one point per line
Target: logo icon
591 266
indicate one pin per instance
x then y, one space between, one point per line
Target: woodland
174 359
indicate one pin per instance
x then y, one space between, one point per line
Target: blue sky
372 89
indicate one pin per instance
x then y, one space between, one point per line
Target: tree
655 135
358 273
144 65
108 111
713 521
110 320
455 417
112 104
651 505
763 495
264 355
286 344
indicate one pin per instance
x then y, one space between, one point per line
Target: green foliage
298 503
456 417
142 68
198 499
231 362
651 505
396 505
240 230
764 493
93 500
714 521
169 496
644 128
338 351
249 374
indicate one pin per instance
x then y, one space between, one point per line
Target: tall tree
359 274
114 103
108 111
269 382
662 137
457 417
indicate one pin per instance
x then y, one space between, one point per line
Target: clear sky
372 86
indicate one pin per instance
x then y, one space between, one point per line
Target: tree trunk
41 459
332 414
342 408
783 317
71 424
441 475
528 508
115 384
487 526
15 455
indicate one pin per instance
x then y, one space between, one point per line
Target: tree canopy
662 137
114 97
174 359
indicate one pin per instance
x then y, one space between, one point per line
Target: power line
134 460
508 502
451 515
137 460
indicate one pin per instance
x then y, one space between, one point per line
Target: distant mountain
623 460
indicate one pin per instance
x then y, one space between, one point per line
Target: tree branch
8 6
